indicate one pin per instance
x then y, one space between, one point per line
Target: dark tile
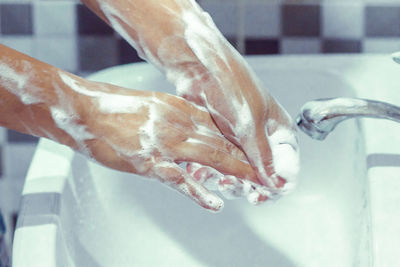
300 20
262 46
341 46
1 162
90 24
16 19
126 53
97 52
2 225
381 21
14 219
17 137
233 41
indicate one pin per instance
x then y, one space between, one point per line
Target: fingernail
215 204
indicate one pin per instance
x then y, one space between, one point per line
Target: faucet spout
319 117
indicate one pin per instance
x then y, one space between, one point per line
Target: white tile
262 19
224 14
17 158
382 2
3 135
341 1
381 45
54 18
57 51
36 246
23 44
343 20
300 46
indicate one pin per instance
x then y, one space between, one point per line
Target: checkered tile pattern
66 34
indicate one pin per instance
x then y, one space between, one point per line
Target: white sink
77 213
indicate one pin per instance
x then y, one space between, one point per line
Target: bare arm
28 88
181 39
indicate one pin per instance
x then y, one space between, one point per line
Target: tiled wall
67 35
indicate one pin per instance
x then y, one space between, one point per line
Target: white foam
67 122
8 74
285 154
194 141
108 103
192 189
203 130
210 50
244 119
148 133
16 83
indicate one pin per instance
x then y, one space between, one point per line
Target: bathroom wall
67 35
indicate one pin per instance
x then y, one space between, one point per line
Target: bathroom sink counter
63 218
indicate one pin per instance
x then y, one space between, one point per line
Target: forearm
34 99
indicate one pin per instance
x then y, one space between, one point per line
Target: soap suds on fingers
198 60
152 158
285 152
229 186
16 82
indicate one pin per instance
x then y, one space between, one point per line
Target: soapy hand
208 71
150 133
245 113
179 38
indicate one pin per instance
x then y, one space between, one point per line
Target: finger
178 179
207 176
214 157
256 198
220 143
233 187
230 186
261 194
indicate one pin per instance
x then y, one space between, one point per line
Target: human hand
214 75
251 118
181 39
149 134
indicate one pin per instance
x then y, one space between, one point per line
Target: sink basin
77 213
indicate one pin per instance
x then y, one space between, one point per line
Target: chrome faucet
319 117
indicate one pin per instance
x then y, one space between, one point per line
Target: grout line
240 34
